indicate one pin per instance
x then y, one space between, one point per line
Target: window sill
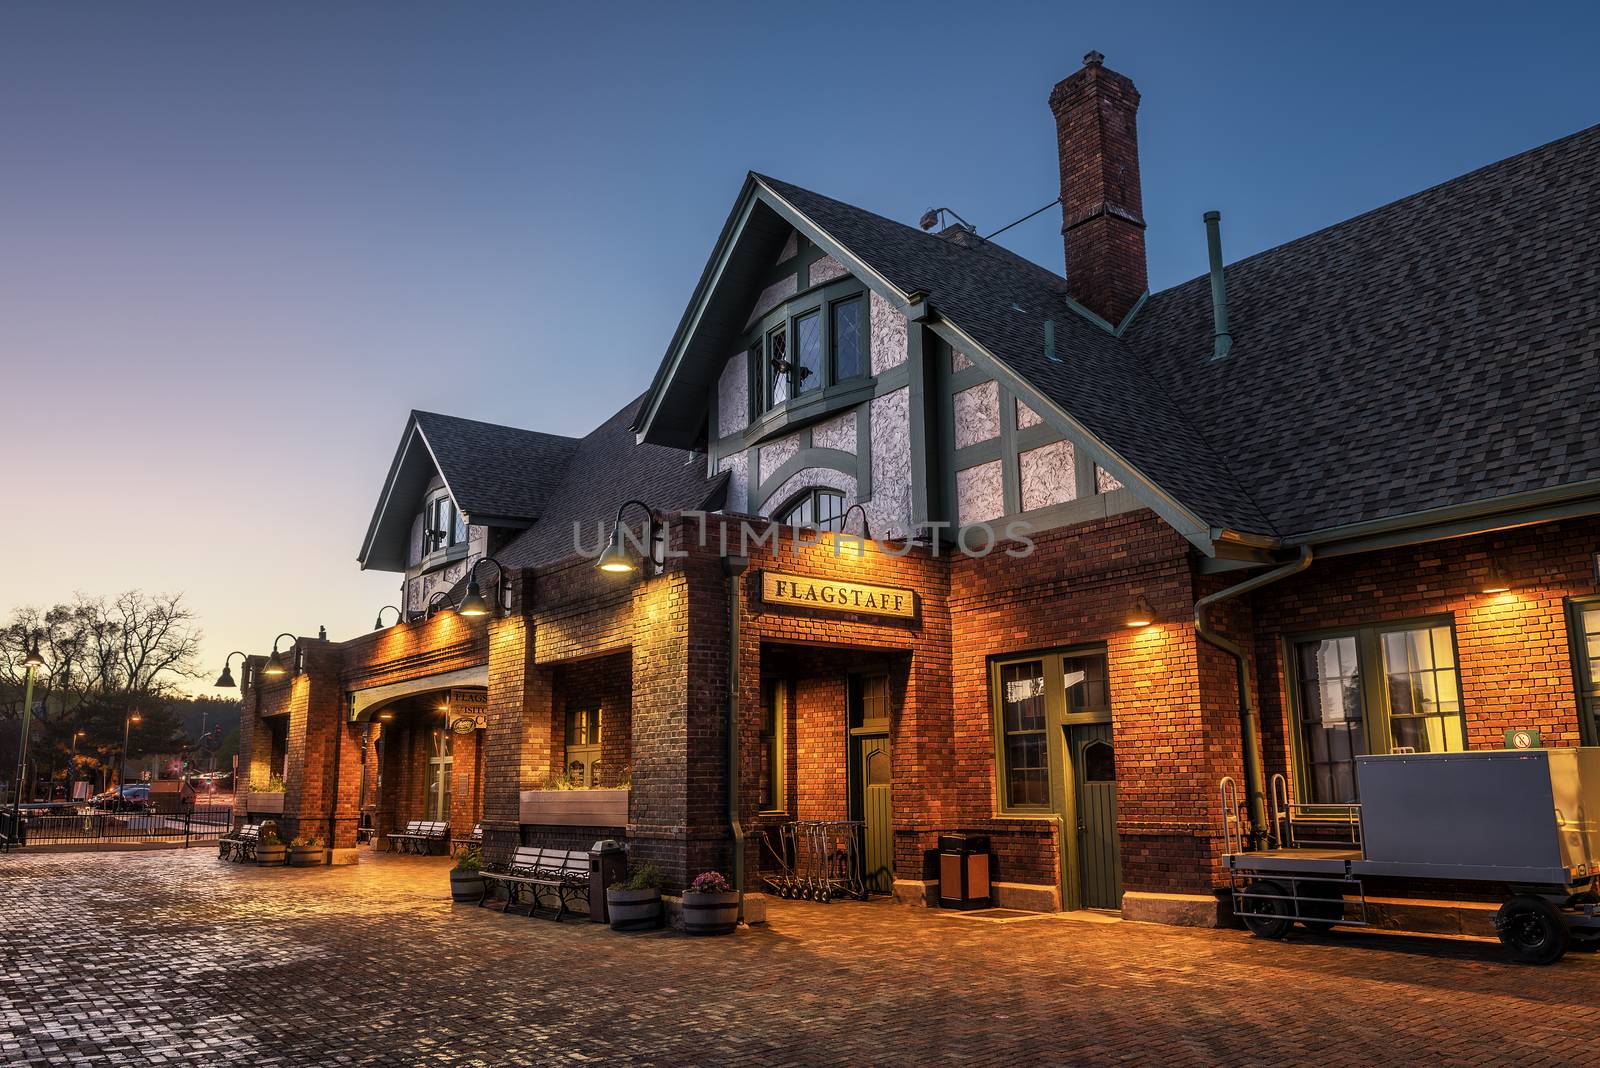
803 411
441 557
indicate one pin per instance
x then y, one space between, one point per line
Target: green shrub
470 860
644 877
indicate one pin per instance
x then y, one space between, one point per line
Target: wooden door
1093 773
875 805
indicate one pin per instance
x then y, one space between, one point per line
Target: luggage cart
816 860
1526 821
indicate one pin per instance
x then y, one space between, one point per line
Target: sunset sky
239 242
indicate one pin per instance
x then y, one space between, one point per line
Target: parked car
134 797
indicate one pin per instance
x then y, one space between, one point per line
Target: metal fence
80 824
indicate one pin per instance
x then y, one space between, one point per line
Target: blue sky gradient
239 242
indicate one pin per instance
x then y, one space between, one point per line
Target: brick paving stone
172 958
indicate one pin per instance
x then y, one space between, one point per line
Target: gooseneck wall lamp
377 624
1141 614
32 661
434 601
615 557
275 667
844 521
225 680
473 603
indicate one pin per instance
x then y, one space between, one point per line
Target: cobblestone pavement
171 957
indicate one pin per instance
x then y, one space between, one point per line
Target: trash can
608 862
964 871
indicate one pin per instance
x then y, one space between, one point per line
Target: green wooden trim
1169 508
864 453
1011 464
802 460
1586 687
780 757
924 433
981 453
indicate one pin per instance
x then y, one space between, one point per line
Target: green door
876 808
1093 773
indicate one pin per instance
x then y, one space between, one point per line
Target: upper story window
443 525
822 509
815 341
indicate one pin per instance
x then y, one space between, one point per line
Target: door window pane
846 339
1085 678
1331 717
1022 713
1423 690
808 352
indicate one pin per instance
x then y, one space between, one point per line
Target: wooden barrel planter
634 910
271 854
707 914
466 886
304 856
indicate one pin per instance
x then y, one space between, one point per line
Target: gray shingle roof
493 471
1439 350
608 466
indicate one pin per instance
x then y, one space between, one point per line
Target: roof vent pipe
1221 340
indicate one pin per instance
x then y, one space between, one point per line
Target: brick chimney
1102 211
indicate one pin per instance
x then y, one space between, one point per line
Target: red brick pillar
516 742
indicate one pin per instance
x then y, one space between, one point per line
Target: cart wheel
1321 906
1533 929
1272 917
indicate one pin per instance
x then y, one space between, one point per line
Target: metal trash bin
964 871
608 862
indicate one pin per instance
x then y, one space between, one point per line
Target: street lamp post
72 766
122 759
31 663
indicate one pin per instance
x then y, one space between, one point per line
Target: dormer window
443 525
815 341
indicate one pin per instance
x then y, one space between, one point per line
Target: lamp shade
614 557
33 659
274 667
1141 614
225 680
1495 581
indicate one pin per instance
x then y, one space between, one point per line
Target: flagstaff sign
808 591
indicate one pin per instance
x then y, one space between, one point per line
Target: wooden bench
239 845
420 836
467 841
532 871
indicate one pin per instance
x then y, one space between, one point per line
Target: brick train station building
917 535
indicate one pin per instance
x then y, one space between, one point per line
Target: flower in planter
306 842
710 882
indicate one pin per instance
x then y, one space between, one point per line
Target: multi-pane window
1025 780
444 523
583 746
1382 689
846 338
771 781
1584 635
821 509
818 340
808 353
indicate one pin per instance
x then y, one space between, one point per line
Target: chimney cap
1092 58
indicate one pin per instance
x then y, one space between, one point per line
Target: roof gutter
1249 716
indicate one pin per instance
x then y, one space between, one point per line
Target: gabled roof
499 476
1431 355
609 466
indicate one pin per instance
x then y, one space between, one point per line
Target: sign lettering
809 591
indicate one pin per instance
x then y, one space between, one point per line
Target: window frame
457 525
590 751
1376 729
775 691
1057 717
819 300
812 494
1585 681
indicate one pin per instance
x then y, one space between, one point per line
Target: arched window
819 508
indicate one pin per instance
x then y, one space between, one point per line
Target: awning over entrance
365 701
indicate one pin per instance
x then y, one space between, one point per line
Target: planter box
261 801
575 808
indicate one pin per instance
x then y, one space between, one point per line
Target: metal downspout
734 566
1249 718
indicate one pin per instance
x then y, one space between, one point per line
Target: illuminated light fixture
1495 581
1141 615
442 595
377 624
225 680
385 716
614 557
275 668
33 661
473 603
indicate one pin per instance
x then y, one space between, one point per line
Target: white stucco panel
890 507
888 336
771 297
733 395
977 414
825 270
775 454
738 468
1026 416
836 433
980 493
1047 475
